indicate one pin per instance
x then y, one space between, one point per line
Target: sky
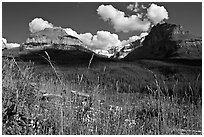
119 21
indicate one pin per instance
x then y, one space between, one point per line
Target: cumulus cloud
157 13
130 7
133 7
143 7
138 22
105 40
102 40
121 22
86 38
39 24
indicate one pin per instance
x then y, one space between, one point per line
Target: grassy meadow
110 98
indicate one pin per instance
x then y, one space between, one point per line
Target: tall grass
35 105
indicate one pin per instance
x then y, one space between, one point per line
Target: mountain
72 60
58 39
53 38
61 47
126 49
166 41
4 41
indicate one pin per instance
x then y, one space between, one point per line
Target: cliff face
57 39
168 41
163 42
122 53
62 48
52 38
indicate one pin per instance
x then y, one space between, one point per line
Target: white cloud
140 15
120 22
105 40
133 7
39 24
86 38
143 7
130 7
102 40
139 22
157 13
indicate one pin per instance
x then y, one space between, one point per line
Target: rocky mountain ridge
167 41
51 38
164 41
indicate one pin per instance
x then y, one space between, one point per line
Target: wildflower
132 122
91 108
36 106
111 107
84 103
118 108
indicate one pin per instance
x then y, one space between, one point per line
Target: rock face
4 41
58 39
62 48
123 52
167 41
55 38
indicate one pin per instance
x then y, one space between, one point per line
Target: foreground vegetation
54 104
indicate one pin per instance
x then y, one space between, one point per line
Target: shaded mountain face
167 41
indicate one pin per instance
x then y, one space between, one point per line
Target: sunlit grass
33 105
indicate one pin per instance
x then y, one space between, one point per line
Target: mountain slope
62 48
55 38
165 41
168 41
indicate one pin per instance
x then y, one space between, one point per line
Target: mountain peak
50 37
168 41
